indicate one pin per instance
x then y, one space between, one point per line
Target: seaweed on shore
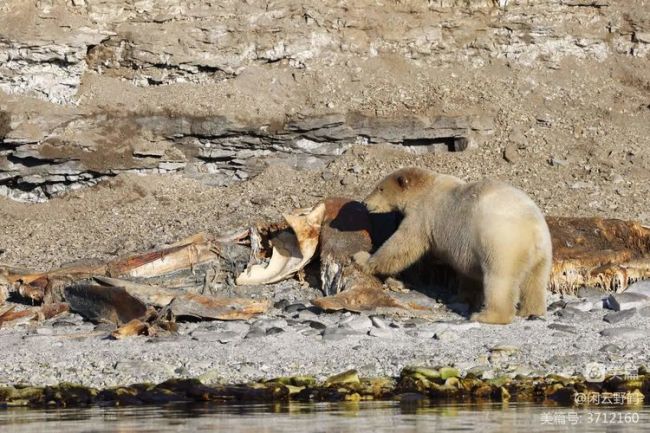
421 384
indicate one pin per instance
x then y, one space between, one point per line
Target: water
376 417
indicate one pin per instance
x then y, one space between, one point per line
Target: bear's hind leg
532 300
501 291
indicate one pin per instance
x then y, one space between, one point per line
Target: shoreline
415 385
295 339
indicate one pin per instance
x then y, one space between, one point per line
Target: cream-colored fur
491 233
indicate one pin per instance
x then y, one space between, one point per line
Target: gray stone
420 333
610 348
619 316
447 335
381 332
564 360
314 324
45 331
307 315
274 330
563 328
571 314
294 308
378 322
625 333
625 301
334 333
590 293
256 332
238 327
360 323
269 323
554 306
581 304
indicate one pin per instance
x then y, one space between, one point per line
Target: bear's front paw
362 259
491 317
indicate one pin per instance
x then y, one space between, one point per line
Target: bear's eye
381 189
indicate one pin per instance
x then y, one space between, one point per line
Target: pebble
256 332
564 328
581 304
504 349
62 323
294 308
348 179
571 314
238 327
266 324
282 304
626 300
619 316
45 331
510 153
421 333
446 335
314 324
309 332
274 330
564 360
305 315
381 332
333 333
610 348
378 322
624 332
413 323
554 306
557 162
360 323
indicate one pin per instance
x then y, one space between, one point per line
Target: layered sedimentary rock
46 155
50 50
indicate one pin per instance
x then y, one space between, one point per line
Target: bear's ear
402 181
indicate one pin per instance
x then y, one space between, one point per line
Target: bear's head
397 189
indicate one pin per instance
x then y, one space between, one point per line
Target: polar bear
491 233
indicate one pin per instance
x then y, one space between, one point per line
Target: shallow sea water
328 418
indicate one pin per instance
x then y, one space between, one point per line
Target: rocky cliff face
218 90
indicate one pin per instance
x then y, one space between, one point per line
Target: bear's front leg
400 251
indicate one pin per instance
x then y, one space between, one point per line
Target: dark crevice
30 161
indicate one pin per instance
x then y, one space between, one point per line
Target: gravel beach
293 340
